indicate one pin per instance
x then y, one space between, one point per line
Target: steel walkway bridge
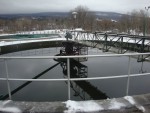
107 42
117 43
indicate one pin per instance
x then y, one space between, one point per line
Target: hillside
99 14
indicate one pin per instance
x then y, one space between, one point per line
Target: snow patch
116 105
54 31
4 43
132 101
6 102
92 106
141 108
82 106
5 108
10 109
6 34
79 29
113 20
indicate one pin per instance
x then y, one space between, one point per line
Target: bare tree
125 24
136 21
84 18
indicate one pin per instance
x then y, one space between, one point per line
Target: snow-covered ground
56 31
95 106
82 106
92 106
5 43
6 34
125 104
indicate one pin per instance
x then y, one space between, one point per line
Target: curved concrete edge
128 104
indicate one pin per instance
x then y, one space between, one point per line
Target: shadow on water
141 70
79 70
28 82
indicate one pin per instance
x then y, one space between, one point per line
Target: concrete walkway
128 104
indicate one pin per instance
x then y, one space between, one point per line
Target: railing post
128 79
68 74
105 43
8 85
121 44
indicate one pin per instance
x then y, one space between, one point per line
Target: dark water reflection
85 90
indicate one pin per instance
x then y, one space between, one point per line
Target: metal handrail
68 79
76 79
77 56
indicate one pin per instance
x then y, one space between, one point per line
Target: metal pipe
68 74
76 79
128 79
79 56
7 77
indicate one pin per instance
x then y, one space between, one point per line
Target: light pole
96 24
145 21
74 16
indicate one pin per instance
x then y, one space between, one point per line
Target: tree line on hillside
135 22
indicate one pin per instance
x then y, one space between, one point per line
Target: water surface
85 90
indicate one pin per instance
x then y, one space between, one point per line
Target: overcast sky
34 6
